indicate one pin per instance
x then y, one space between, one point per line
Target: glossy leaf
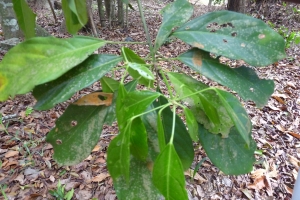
41 60
75 13
83 75
138 139
191 123
243 80
140 184
235 36
168 174
138 69
118 153
182 141
130 86
231 155
206 105
109 84
25 17
76 133
174 14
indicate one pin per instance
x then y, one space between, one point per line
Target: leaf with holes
168 174
41 60
243 80
83 75
174 14
76 133
235 36
231 155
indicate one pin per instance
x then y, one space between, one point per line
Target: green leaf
142 70
76 133
191 124
168 174
109 85
75 13
149 121
243 80
25 17
231 155
140 184
138 139
130 86
237 113
137 69
118 153
41 60
205 103
182 141
174 14
235 36
83 75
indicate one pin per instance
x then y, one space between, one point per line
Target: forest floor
29 172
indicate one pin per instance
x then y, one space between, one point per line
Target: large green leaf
140 184
138 139
235 36
182 141
25 17
243 80
118 153
174 14
76 133
204 103
137 67
41 60
168 174
75 13
83 75
231 155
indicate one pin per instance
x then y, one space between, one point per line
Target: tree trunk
9 22
237 5
101 13
120 13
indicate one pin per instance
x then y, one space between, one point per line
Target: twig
52 10
8 117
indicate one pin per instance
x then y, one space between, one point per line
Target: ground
29 172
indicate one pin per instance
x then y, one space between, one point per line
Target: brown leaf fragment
11 154
258 184
197 59
100 177
288 189
280 100
95 99
296 135
294 161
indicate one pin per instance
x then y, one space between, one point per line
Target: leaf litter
28 170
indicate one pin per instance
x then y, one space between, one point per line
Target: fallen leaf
11 154
100 177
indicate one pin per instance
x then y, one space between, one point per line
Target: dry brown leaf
294 161
11 154
296 135
95 99
280 100
288 189
197 176
258 184
96 148
100 177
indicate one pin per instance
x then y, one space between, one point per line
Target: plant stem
145 27
173 125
